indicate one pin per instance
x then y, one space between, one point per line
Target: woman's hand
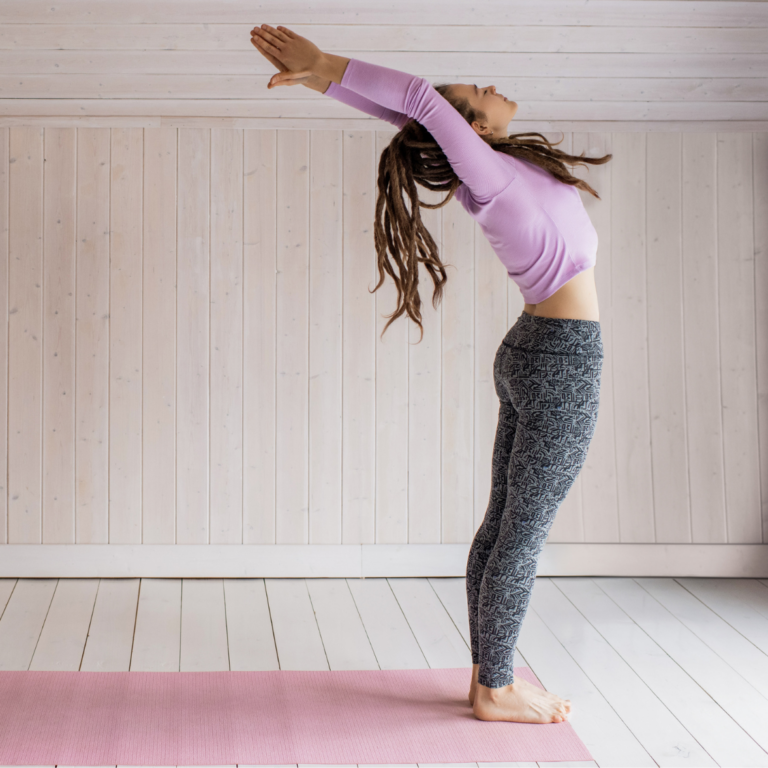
304 80
294 55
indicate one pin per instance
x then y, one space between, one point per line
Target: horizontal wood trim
252 91
372 560
605 13
337 38
308 124
280 114
428 64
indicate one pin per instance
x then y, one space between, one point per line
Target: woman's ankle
495 693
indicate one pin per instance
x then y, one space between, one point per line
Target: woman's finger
278 64
260 47
263 52
262 40
260 35
272 38
271 59
280 35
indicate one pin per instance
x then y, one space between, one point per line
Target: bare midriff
577 300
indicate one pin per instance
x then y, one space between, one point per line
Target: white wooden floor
668 672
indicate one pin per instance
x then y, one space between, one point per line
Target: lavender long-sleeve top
535 224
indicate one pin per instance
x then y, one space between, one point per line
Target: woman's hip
551 366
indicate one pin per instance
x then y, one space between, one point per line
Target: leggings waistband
555 335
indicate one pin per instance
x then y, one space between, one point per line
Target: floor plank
731 646
23 620
249 626
439 640
734 605
391 637
607 737
346 643
157 636
661 733
203 626
752 592
577 764
721 681
717 732
110 634
63 636
297 636
452 593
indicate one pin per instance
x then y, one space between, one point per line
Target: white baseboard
232 561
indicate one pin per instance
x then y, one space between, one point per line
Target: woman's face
496 107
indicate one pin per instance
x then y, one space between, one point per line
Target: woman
547 368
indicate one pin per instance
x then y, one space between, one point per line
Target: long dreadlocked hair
414 157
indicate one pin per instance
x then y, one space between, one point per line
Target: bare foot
473 688
520 702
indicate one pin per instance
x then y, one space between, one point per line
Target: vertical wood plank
259 335
292 423
599 487
193 336
702 354
360 341
424 396
760 181
25 331
59 244
391 382
630 341
125 335
736 289
159 337
325 343
457 390
4 317
92 337
666 368
226 338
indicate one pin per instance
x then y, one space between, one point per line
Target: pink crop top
535 224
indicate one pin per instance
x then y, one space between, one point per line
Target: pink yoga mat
278 718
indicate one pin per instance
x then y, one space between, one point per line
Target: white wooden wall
189 349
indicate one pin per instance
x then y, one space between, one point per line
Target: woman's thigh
556 398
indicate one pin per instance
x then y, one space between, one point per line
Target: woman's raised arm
340 93
475 162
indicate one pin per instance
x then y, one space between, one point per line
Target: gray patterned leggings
547 377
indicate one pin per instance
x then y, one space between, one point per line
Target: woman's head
414 157
492 110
